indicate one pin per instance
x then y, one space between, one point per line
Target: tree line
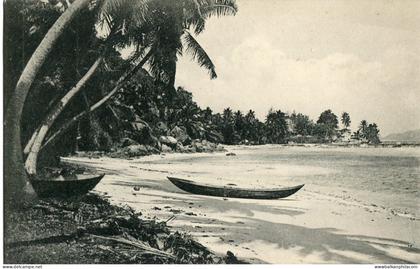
279 127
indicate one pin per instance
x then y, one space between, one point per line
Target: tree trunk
15 178
31 160
98 104
31 142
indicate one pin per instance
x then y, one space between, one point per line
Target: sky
358 56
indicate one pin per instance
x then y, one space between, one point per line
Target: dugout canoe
80 185
233 192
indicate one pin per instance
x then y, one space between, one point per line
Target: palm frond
124 14
219 8
200 10
199 54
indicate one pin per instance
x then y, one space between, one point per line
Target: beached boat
66 188
233 192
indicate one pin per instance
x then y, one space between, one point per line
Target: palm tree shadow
327 241
47 240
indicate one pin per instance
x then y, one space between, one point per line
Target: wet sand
319 224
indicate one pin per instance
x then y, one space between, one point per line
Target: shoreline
224 148
319 224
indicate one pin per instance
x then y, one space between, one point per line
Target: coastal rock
203 146
189 149
220 148
136 150
180 148
153 149
165 148
143 134
168 140
180 133
197 145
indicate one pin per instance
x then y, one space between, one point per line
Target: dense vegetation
65 73
68 87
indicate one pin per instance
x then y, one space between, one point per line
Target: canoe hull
66 188
202 189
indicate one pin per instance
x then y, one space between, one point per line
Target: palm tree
175 23
167 31
31 160
228 126
111 13
207 115
276 126
15 175
345 119
362 128
250 126
239 124
125 25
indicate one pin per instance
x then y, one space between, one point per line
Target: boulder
196 145
190 149
136 150
168 140
180 147
143 134
220 148
165 148
180 133
153 150
204 146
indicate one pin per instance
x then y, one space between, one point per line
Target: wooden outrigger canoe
65 188
233 192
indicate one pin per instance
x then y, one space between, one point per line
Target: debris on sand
94 231
231 258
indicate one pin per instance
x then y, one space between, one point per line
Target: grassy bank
88 229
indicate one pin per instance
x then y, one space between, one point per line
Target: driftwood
136 243
52 210
170 219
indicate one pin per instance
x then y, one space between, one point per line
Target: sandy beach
328 221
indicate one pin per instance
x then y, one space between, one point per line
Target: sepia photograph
281 132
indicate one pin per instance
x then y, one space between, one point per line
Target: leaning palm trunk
31 141
15 175
31 160
105 99
63 103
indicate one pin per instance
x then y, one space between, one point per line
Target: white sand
319 224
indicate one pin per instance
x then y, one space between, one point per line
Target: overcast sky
362 57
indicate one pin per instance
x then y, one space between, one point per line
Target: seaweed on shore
89 229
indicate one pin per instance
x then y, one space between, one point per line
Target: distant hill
413 135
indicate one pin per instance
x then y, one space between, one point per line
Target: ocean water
392 174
